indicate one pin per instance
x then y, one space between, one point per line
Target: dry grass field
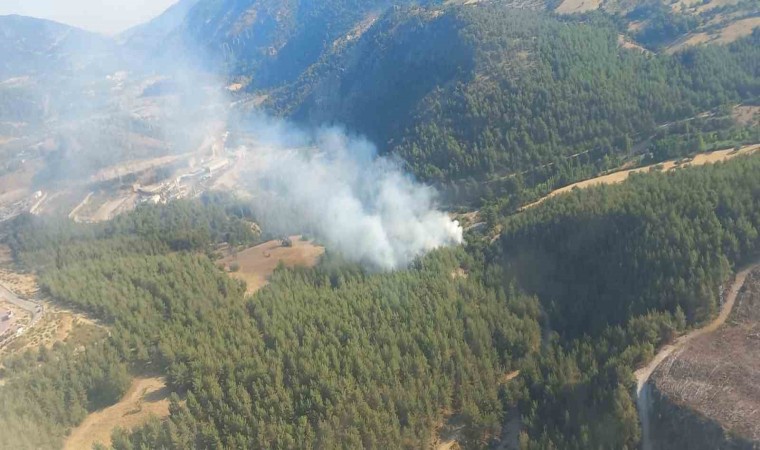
747 115
146 397
620 176
256 264
577 6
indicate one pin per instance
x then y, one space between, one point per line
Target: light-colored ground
258 263
690 41
699 6
619 177
53 323
718 374
74 214
23 284
146 397
624 42
136 166
111 208
738 29
747 115
731 32
577 6
642 375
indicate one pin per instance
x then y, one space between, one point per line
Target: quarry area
717 375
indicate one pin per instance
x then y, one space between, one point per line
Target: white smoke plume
336 188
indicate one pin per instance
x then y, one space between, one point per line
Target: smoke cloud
118 102
335 187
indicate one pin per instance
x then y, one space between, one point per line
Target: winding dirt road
643 374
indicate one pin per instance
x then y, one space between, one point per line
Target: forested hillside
620 270
334 357
271 42
331 357
466 94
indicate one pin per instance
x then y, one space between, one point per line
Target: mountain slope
486 91
30 46
151 35
274 41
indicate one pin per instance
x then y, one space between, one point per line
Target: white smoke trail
335 187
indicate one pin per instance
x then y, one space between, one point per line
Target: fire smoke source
334 186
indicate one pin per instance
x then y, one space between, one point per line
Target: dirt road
643 374
620 176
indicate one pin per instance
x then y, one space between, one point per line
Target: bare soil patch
738 29
145 398
689 41
256 264
577 6
620 176
747 115
718 374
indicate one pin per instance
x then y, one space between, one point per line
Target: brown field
23 284
577 6
145 398
690 41
619 177
112 207
718 373
731 32
738 29
747 115
258 263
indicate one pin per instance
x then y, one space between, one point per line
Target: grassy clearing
146 397
256 264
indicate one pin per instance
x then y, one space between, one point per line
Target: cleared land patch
145 398
619 177
747 115
256 264
731 32
577 6
718 374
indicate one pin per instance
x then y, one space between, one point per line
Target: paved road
34 309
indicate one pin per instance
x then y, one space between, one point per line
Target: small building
7 315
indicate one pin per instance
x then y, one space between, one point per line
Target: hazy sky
104 16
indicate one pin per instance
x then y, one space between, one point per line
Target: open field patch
577 6
747 115
145 398
620 176
256 264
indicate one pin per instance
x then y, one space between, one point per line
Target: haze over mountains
409 156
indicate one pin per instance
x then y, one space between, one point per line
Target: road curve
33 308
643 374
